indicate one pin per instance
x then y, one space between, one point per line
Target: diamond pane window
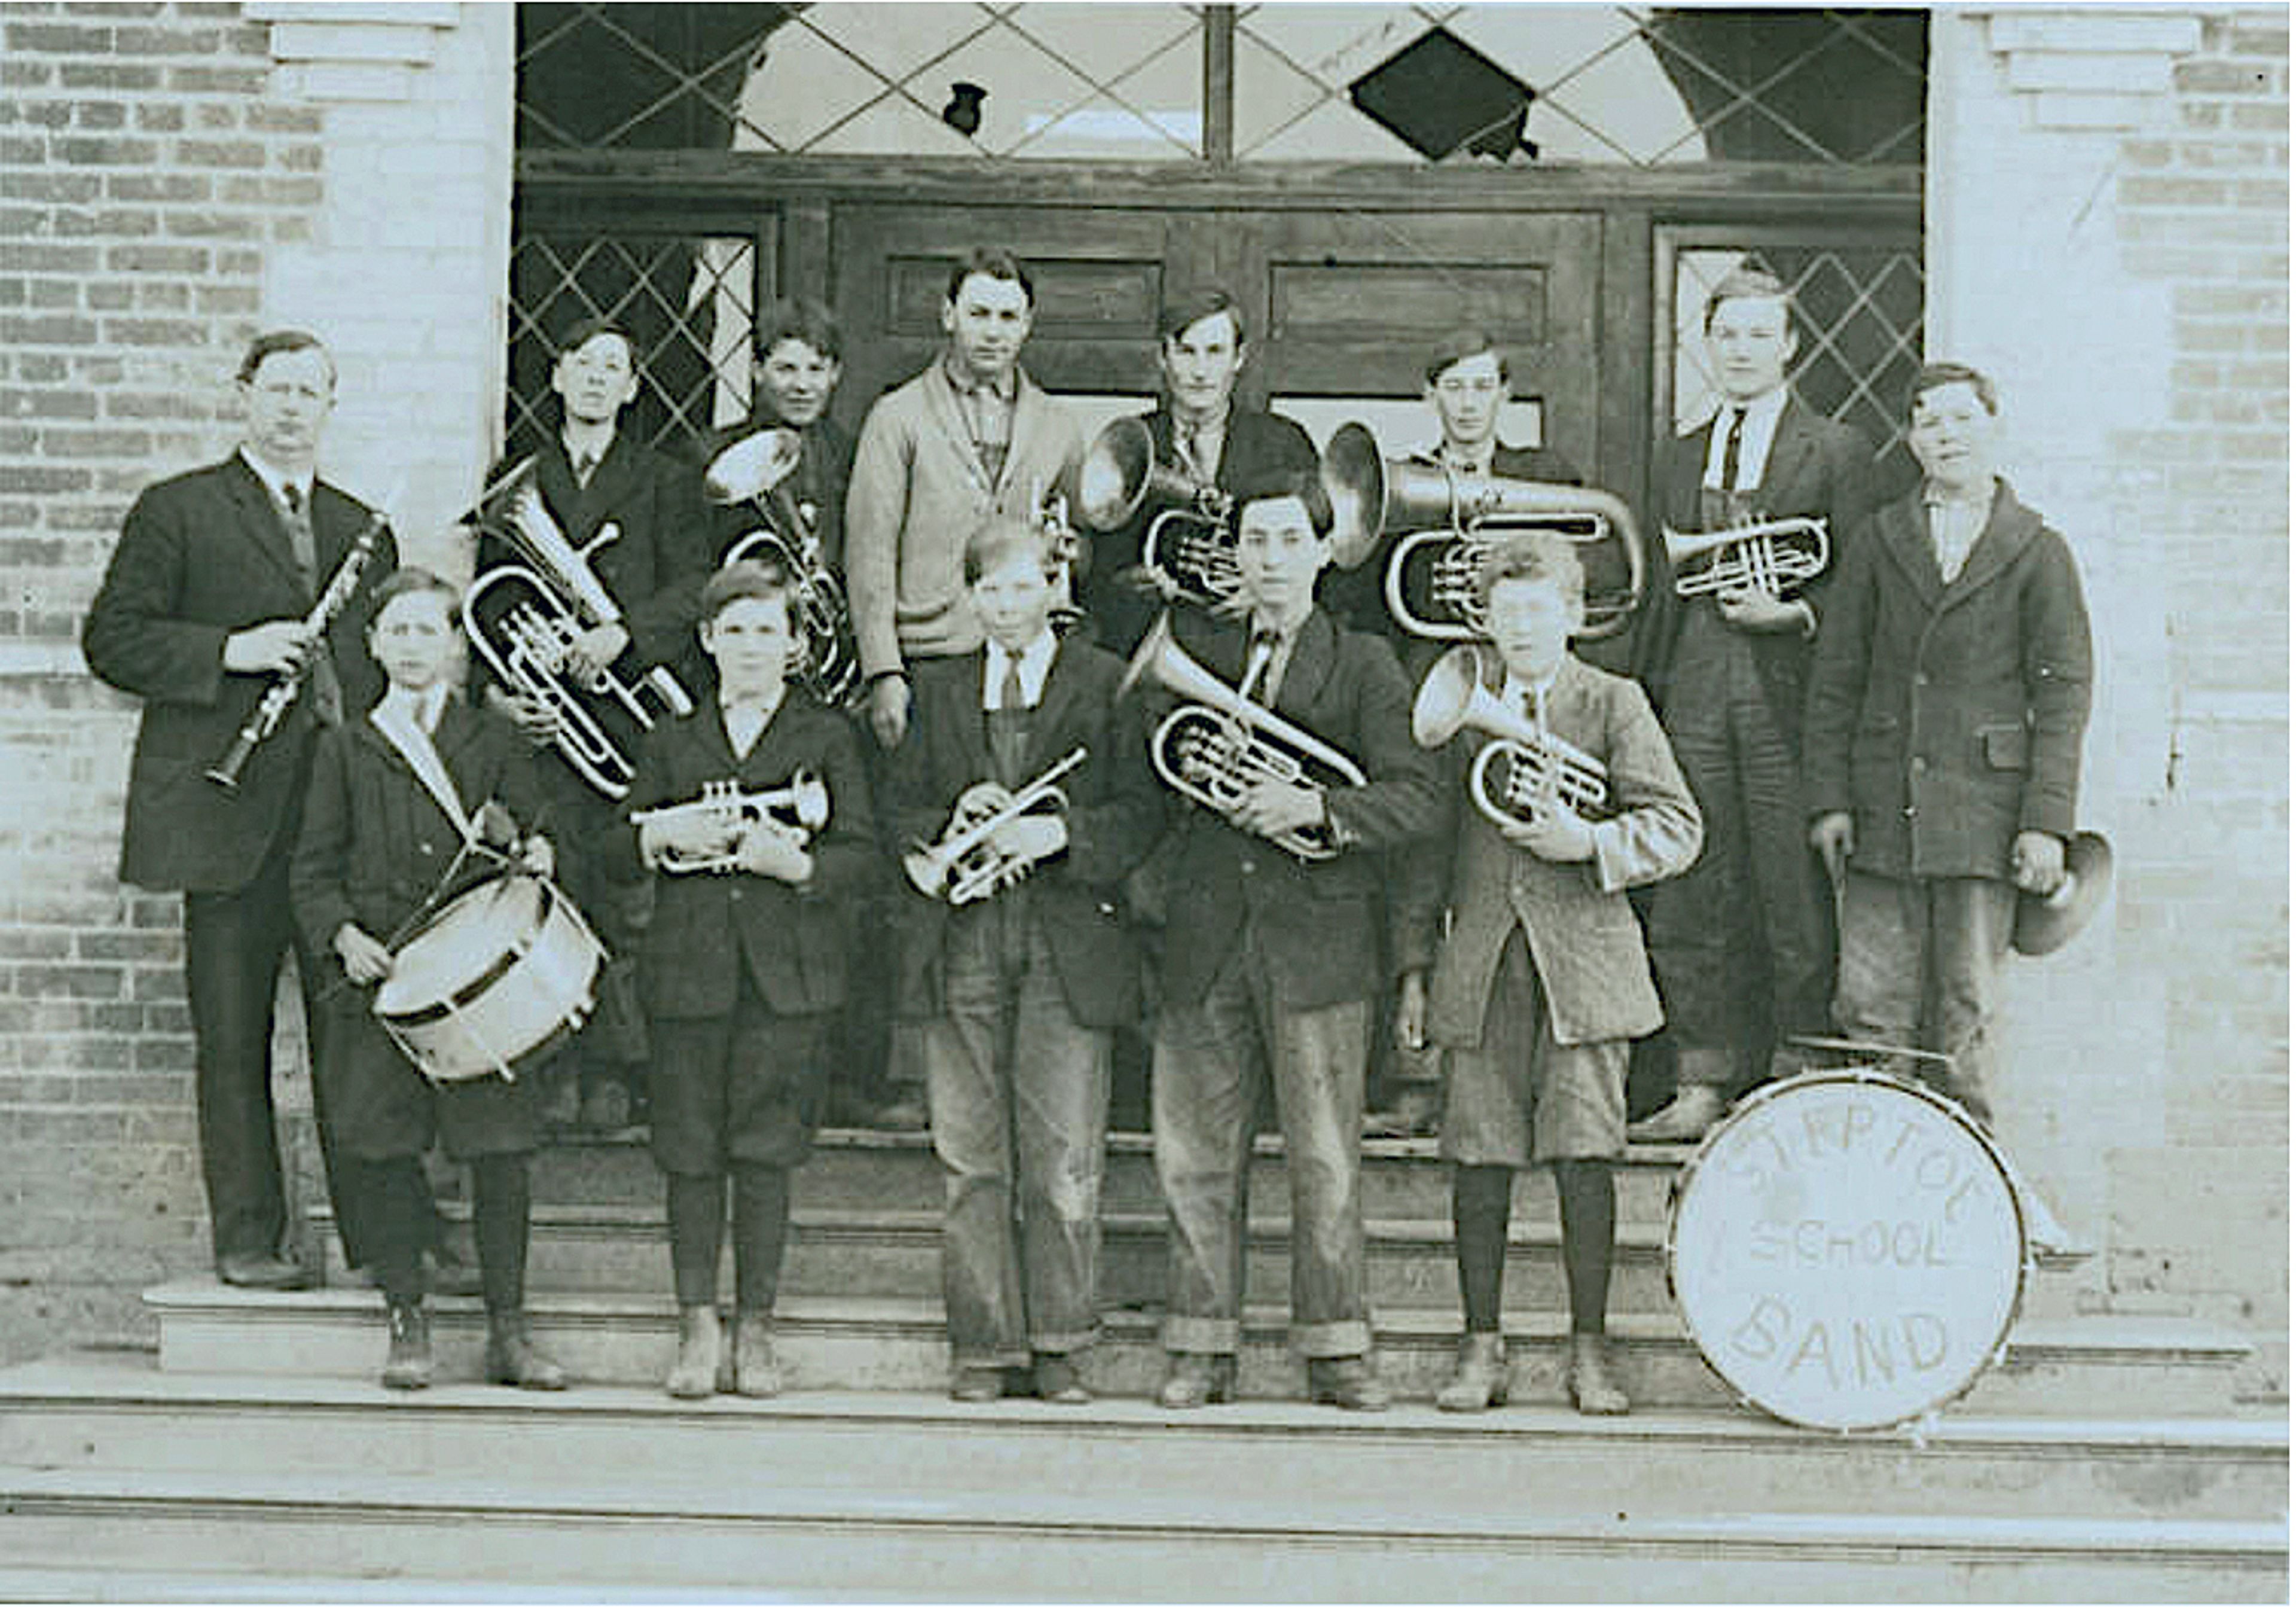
689 303
1857 314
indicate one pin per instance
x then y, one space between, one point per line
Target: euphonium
1218 743
1453 519
1189 550
801 808
525 620
967 863
1526 769
1775 555
755 469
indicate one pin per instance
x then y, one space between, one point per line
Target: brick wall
2108 222
173 178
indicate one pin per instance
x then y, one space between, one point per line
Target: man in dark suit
200 611
1743 941
1023 989
1271 960
590 475
1198 429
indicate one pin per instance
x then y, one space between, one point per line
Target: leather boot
1349 1382
756 1373
694 1376
1194 1379
514 1359
1593 1391
1695 1108
408 1364
1480 1381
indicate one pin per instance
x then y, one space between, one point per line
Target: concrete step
117 1413
1403 1178
450 1530
2073 1367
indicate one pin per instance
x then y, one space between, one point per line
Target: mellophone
1525 767
754 472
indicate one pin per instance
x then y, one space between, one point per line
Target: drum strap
404 733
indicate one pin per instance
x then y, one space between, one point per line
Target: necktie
1197 447
1260 664
1730 444
299 532
1010 695
326 690
585 466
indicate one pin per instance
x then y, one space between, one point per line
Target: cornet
1526 769
967 863
1219 744
1776 556
1453 520
755 469
801 808
1189 549
524 622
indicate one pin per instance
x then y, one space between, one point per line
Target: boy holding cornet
1541 979
754 813
1027 789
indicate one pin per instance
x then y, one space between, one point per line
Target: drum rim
1954 1112
495 888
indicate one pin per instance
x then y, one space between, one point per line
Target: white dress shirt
745 723
1762 415
1036 664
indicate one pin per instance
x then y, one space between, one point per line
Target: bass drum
497 979
1848 1249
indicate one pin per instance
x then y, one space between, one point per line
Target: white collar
1035 661
425 708
277 480
1761 428
1519 694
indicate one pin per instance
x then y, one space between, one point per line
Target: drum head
459 942
1847 1250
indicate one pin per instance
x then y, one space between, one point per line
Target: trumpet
1189 549
1219 744
756 470
1775 555
1525 770
967 863
1455 520
801 809
524 620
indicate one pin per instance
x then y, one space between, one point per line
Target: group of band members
1890 745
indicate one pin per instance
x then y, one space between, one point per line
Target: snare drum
498 978
1848 1249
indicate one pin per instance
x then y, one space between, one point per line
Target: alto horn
1525 769
1218 743
1777 556
802 807
966 864
756 470
1188 549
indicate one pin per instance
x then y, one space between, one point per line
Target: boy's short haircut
999 538
1748 284
580 335
1305 484
1937 376
740 582
800 318
1545 555
1459 344
271 342
408 579
992 262
1187 309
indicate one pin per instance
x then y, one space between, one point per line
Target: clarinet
286 686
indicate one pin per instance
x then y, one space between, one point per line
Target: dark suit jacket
1465 889
1817 468
653 570
706 928
1115 812
1257 444
374 842
200 556
824 468
1948 718
1320 924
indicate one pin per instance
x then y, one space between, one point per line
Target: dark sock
697 1228
761 1208
1589 1220
500 1207
1481 1199
397 1221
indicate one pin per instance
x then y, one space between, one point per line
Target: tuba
1218 743
524 619
1525 769
1453 519
966 864
1774 555
801 808
755 469
1189 550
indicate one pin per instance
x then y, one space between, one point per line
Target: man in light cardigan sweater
969 437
